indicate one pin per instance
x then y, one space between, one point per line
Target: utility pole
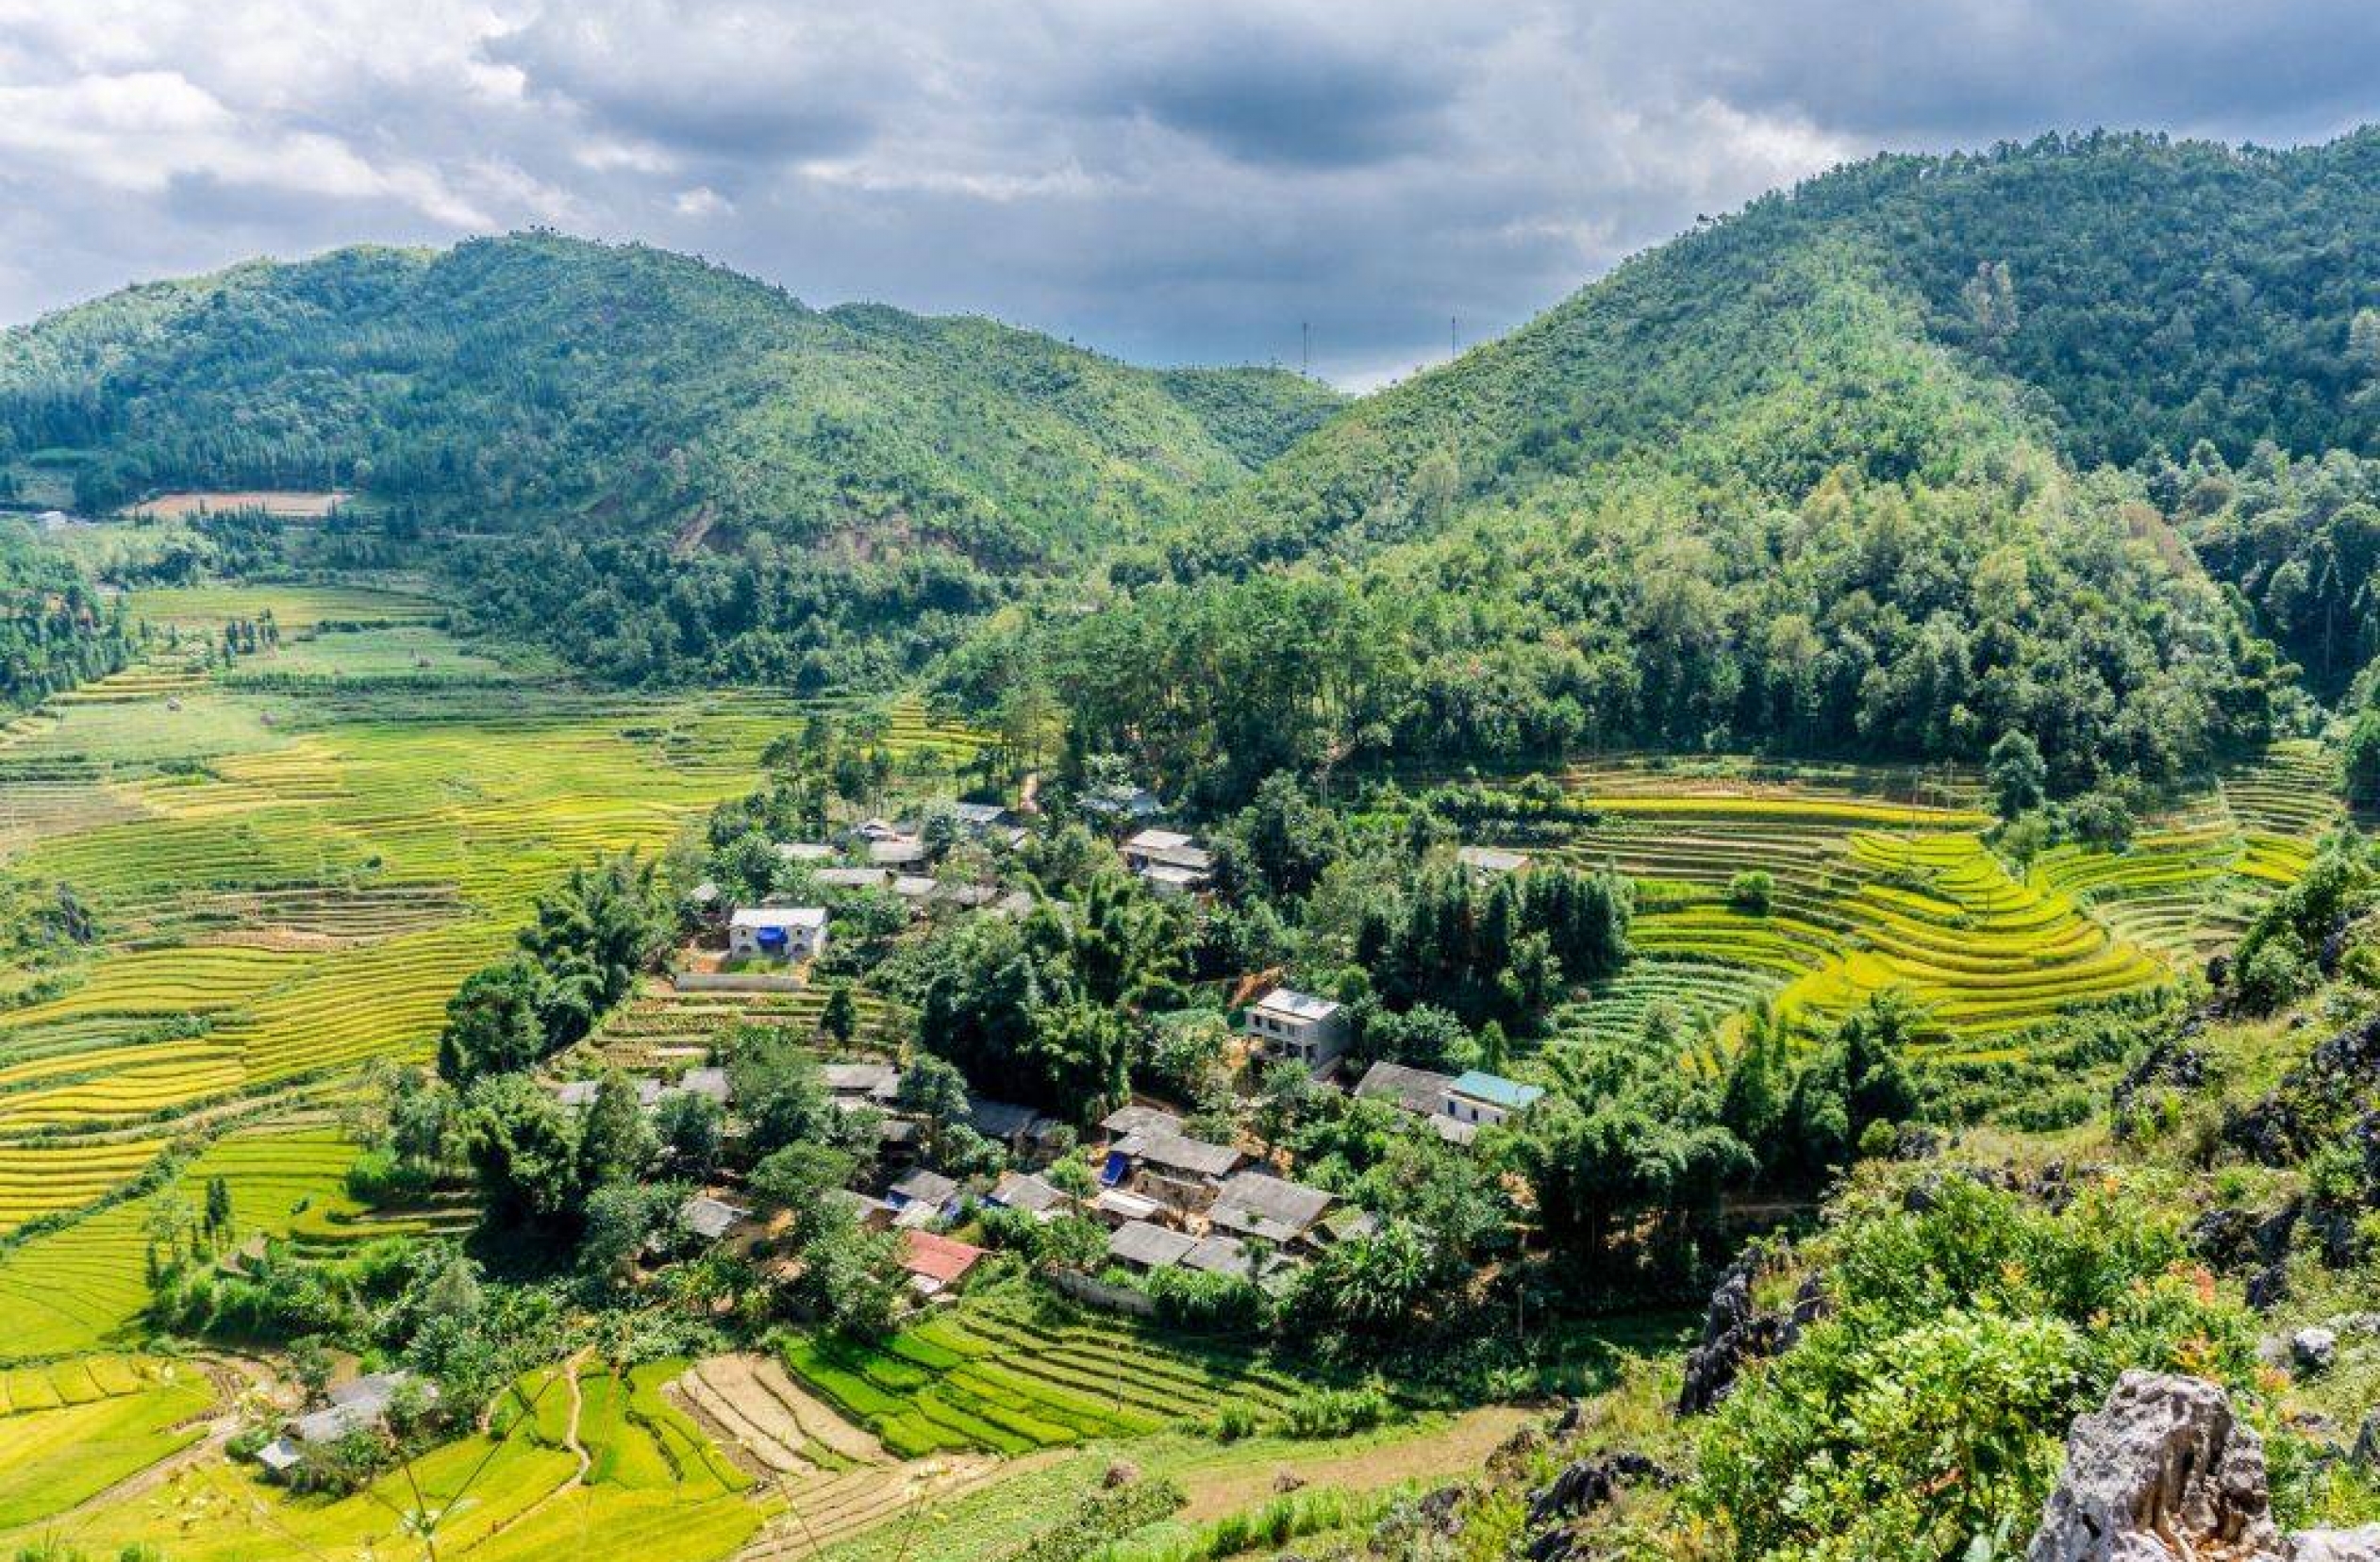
1454 346
1305 348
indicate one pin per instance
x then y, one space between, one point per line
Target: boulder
2164 1457
2355 1545
2313 1351
2164 1473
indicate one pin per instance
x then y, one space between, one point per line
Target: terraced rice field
71 1430
38 1180
290 882
651 1486
661 1027
1884 881
82 1288
997 1377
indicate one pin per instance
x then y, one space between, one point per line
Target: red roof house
936 1263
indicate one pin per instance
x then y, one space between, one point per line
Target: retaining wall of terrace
1098 1293
727 981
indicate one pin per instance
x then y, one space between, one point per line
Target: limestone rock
2163 1459
2355 1545
2313 1351
2164 1473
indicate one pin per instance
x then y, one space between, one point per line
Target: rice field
1002 1377
290 878
1883 880
83 1288
70 1431
651 1486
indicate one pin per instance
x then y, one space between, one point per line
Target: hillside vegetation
1832 476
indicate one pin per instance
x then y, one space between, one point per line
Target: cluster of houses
1168 862
1171 1200
875 854
1286 1025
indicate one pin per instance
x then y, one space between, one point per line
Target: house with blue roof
1484 1099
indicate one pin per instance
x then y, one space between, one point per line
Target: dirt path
569 1440
230 1376
570 1432
1459 1448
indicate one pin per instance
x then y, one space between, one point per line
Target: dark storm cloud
1262 92
1168 180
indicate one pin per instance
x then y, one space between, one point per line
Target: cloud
1173 182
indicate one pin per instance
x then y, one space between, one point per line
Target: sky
1168 180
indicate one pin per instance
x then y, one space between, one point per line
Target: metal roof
1418 1090
1178 1152
1150 1246
1495 1089
779 916
1302 1007
1268 1206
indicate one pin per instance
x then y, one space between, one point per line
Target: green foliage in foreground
1967 1326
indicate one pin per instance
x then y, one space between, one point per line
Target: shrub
1752 892
1207 1304
2270 976
1927 1409
1335 1412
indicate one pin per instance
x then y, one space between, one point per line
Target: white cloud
702 201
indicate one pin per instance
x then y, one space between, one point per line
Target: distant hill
538 378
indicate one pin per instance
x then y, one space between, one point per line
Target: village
1164 1196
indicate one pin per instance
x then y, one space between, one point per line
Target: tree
797 1179
1281 843
622 1218
1752 1106
589 939
2017 775
1876 1081
1378 1287
840 1019
778 1089
1595 1170
932 1090
1284 1094
523 1149
851 1278
2362 760
692 1130
491 1024
614 1140
311 1364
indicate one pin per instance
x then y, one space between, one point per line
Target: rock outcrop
2164 1472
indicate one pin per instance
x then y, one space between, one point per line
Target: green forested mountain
841 480
1837 473
536 376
